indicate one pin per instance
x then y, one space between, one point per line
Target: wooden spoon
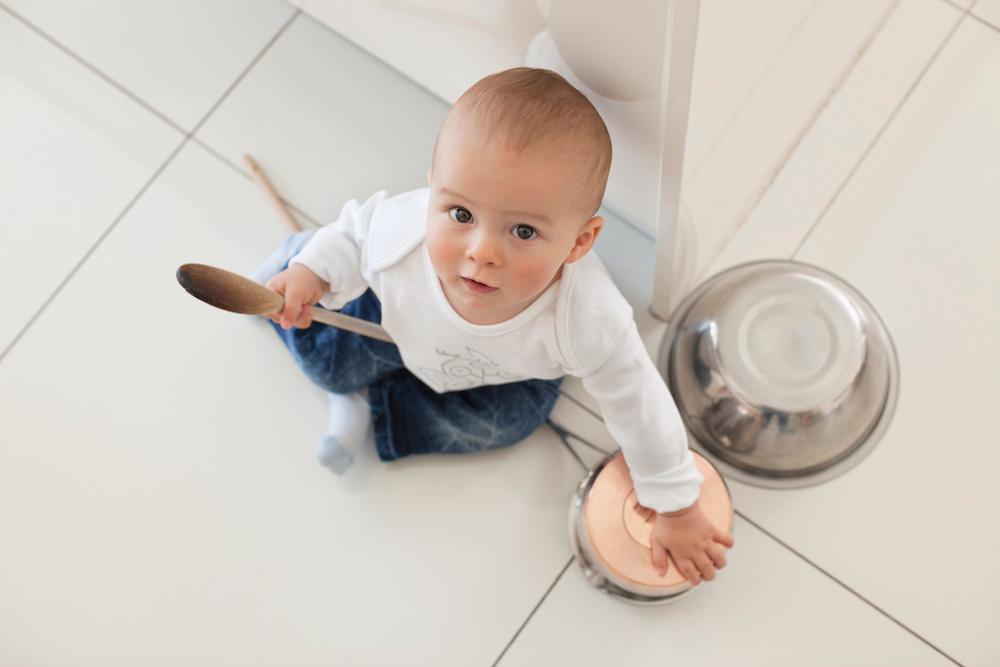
237 294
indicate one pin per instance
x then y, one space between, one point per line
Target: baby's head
517 176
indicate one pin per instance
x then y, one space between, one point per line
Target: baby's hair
530 107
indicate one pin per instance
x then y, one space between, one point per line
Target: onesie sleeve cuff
670 490
335 252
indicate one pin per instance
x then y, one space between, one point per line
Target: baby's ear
428 177
585 239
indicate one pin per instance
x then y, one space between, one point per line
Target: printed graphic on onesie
458 372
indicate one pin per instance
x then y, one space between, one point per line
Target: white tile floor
159 503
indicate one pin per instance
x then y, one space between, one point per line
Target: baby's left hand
696 546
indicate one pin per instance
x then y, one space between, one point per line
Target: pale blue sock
334 455
347 430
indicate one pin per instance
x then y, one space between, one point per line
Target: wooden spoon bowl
239 294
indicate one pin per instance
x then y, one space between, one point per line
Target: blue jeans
408 417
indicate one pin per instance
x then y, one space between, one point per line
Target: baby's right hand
301 289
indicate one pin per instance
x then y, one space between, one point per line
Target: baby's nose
484 249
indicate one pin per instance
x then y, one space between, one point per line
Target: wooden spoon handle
272 194
349 323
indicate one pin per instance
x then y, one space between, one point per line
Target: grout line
878 135
953 5
561 432
246 70
308 218
589 444
577 401
114 223
516 634
565 434
637 226
845 586
980 19
107 79
572 451
93 248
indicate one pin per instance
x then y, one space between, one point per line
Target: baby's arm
329 268
643 418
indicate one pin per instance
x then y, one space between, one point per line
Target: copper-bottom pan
611 533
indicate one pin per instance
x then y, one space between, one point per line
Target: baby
487 285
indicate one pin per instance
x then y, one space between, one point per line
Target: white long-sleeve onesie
581 325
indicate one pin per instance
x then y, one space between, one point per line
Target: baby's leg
347 431
411 418
341 362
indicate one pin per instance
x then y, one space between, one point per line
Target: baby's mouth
477 286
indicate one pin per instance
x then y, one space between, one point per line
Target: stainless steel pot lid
783 373
611 537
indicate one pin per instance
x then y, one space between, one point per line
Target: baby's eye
531 233
462 216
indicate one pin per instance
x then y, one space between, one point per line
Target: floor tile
75 153
841 134
158 486
178 56
325 120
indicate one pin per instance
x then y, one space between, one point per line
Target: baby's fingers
286 318
690 572
304 319
705 567
723 538
276 283
294 303
718 555
659 558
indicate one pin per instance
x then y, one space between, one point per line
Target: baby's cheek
534 277
439 249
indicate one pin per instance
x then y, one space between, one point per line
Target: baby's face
507 220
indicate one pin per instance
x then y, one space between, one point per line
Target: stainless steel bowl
783 373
